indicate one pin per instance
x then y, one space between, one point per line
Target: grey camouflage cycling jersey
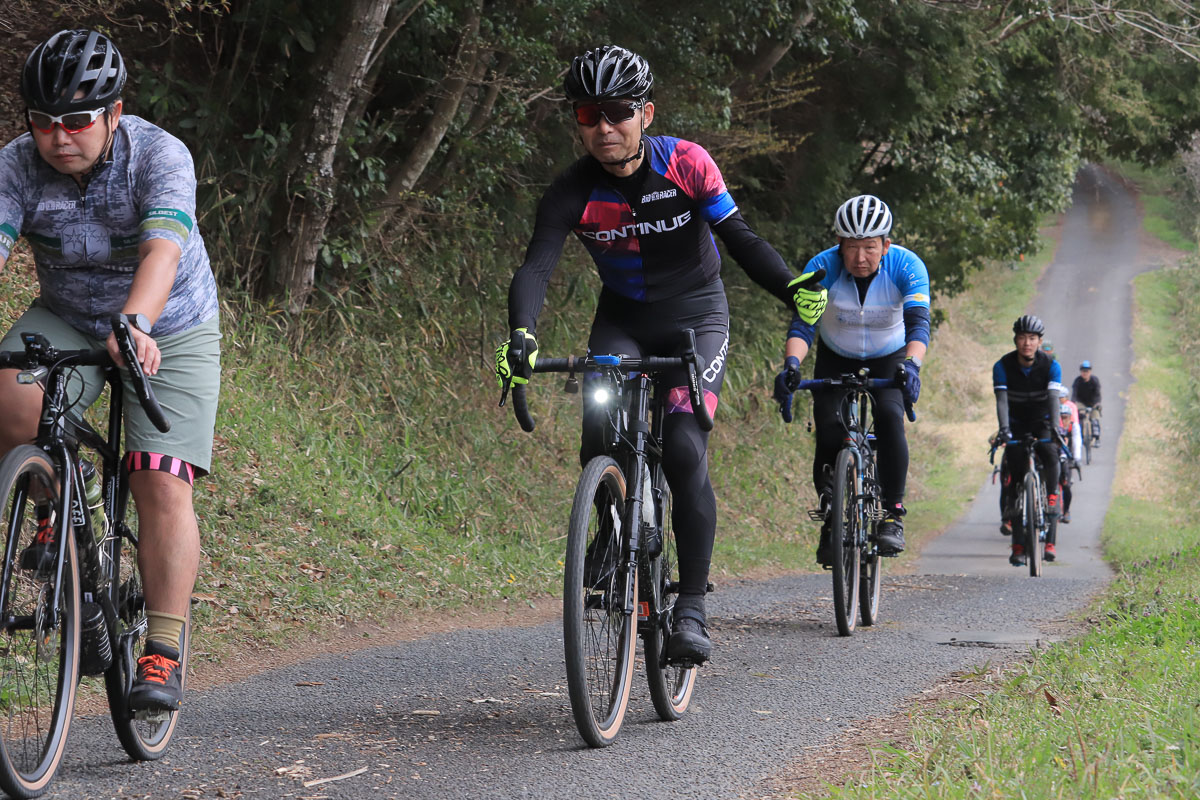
85 244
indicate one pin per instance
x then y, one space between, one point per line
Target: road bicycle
85 614
621 567
1033 524
1085 427
855 507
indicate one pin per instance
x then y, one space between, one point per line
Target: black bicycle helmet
71 63
1029 324
608 73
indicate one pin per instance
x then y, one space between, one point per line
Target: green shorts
187 385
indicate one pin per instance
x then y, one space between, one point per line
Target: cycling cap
1086 365
608 73
863 217
70 63
1029 324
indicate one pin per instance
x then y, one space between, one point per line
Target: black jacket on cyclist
650 235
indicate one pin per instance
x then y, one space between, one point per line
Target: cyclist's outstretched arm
557 213
756 256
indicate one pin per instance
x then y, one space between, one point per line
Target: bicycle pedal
816 515
155 717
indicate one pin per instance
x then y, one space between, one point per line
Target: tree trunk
306 197
771 53
454 87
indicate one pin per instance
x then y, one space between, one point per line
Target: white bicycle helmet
863 217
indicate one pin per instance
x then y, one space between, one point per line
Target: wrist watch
915 361
139 321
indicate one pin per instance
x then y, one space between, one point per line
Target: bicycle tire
671 686
1033 547
599 638
144 737
1086 434
844 535
35 709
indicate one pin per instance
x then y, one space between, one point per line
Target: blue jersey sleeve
912 278
999 378
1055 376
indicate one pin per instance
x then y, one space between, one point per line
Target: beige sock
166 629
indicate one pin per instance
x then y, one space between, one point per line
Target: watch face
139 321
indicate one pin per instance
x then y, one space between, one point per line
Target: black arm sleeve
752 253
527 292
1002 408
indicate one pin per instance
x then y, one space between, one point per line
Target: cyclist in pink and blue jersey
646 208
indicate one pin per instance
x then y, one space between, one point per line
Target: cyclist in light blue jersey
107 203
877 318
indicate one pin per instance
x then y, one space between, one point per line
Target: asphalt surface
484 714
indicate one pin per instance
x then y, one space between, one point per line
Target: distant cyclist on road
877 318
645 208
1085 391
1072 448
1026 382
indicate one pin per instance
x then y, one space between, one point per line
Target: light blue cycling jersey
876 326
85 244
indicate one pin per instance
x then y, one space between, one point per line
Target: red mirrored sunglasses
615 111
74 122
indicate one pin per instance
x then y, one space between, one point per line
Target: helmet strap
105 157
641 149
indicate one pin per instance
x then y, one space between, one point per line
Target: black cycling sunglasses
615 111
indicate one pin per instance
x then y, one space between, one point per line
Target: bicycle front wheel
598 634
671 686
144 736
1033 525
844 533
39 636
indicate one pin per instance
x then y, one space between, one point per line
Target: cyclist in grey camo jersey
107 203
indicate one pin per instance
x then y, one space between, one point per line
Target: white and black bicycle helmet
71 63
863 217
608 73
1029 324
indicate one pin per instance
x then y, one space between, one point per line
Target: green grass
1113 713
1170 214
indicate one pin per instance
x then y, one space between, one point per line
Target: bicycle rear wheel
1032 525
144 736
671 686
39 656
844 534
598 636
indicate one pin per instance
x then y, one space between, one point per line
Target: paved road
782 682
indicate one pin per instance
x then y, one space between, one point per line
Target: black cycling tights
890 442
631 328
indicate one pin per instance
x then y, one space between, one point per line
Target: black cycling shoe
159 682
890 536
689 642
825 548
40 556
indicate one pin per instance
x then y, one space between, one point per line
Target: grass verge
1113 713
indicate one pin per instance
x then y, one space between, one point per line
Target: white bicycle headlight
601 396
